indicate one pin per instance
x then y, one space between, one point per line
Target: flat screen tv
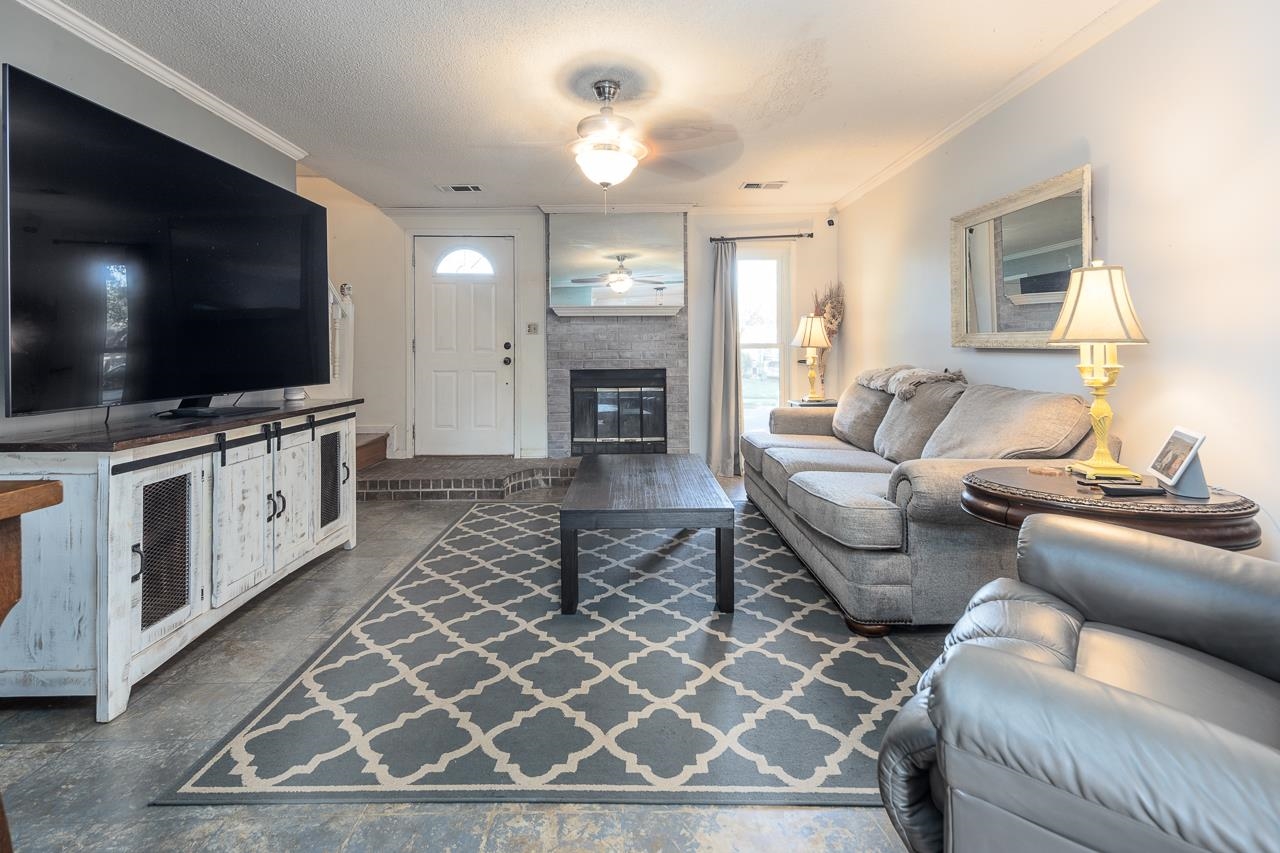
138 268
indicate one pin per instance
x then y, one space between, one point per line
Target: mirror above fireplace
616 263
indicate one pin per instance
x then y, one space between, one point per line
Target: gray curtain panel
726 382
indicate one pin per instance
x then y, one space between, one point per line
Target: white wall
813 268
370 249
366 250
1179 114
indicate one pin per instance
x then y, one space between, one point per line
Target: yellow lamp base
1113 471
813 396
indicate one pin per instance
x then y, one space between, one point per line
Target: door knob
507 360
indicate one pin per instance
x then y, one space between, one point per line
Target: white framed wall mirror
1011 259
616 263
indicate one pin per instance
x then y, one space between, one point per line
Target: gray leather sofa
868 495
1123 694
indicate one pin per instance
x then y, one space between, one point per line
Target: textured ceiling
392 97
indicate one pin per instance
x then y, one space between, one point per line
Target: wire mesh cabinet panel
243 508
166 587
334 478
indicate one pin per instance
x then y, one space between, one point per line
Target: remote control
1130 491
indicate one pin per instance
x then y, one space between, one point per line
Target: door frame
411 300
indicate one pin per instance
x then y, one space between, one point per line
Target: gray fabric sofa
868 495
1122 694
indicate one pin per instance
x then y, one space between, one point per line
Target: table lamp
812 335
1098 316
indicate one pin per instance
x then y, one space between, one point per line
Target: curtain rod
764 237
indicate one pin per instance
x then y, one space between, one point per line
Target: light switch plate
532 329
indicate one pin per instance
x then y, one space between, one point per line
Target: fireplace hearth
618 411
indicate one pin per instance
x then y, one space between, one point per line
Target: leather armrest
907 757
801 420
929 489
1140 774
1223 603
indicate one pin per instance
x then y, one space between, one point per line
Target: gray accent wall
601 343
41 47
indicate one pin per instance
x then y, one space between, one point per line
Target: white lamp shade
1097 309
811 333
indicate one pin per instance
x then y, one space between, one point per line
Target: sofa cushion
849 507
858 415
781 463
993 422
756 442
909 423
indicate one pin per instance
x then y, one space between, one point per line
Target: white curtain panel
726 382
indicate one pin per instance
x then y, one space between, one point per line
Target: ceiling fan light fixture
608 151
619 282
605 163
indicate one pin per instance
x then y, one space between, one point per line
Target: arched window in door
464 262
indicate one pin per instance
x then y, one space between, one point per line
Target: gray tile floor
72 784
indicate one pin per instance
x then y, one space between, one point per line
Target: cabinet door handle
346 473
142 562
284 504
271 499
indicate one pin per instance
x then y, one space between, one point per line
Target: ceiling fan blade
595 279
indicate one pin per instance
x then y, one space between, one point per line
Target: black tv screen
139 268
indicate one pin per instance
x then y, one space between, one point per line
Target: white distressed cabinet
163 531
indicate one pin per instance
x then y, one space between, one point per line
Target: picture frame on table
1177 464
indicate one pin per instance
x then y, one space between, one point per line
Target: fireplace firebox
618 411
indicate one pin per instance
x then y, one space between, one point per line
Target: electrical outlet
532 329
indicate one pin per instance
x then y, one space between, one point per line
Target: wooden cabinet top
144 431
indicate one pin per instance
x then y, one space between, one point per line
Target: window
464 262
763 281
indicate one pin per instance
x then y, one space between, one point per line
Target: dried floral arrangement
830 306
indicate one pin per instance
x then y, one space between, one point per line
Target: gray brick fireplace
618 343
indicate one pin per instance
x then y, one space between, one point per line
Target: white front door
464 330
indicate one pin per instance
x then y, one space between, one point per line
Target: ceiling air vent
459 188
762 185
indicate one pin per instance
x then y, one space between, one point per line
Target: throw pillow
993 422
858 415
908 424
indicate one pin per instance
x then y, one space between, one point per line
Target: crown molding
100 37
616 208
1086 37
395 212
762 210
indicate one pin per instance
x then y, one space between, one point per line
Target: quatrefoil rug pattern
462 681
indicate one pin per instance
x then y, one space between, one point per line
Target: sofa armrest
904 768
1219 602
801 420
929 489
1106 768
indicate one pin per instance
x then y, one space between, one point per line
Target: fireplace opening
618 411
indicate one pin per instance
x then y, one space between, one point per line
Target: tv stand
166 528
198 407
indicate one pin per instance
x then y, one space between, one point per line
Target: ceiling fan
620 279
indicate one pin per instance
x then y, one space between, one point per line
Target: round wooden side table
1006 496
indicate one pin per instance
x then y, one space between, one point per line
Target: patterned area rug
462 681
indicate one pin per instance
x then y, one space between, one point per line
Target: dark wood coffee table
644 491
1007 496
